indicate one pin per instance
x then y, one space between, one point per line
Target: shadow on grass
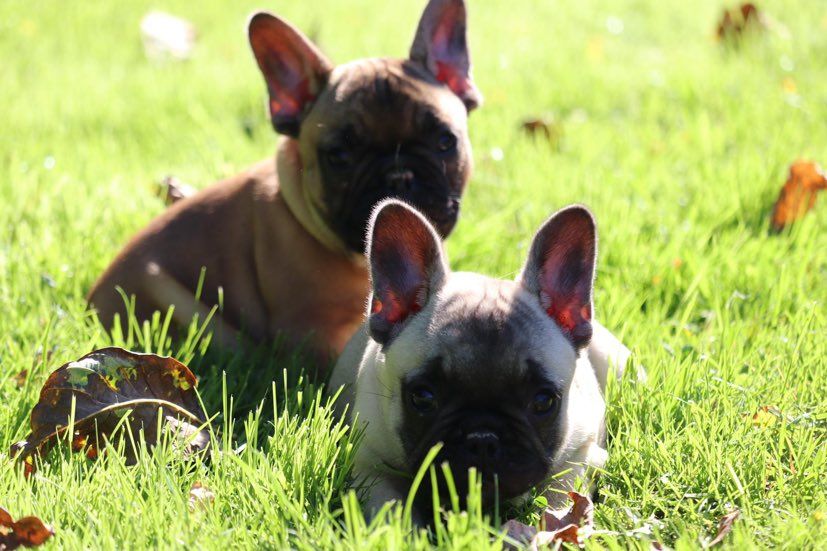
233 383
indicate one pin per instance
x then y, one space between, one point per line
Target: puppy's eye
423 399
338 157
446 142
544 402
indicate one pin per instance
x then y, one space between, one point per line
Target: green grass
677 144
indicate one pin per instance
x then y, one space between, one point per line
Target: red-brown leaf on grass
200 498
106 385
734 22
546 128
20 378
27 531
798 196
573 526
173 190
724 528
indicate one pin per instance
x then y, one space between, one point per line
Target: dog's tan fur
248 258
267 239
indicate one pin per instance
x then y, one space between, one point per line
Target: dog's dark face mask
397 135
491 410
375 128
482 366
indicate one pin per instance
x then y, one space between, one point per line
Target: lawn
678 144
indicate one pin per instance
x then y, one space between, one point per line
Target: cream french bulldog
507 375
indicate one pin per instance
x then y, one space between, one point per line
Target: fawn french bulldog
508 375
283 242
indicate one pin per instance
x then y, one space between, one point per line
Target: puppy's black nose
400 180
482 446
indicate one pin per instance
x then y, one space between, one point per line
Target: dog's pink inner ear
393 308
404 252
441 45
567 308
294 69
565 254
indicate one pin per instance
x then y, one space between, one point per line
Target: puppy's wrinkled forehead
360 92
488 332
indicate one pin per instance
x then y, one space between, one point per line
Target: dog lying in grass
282 244
508 376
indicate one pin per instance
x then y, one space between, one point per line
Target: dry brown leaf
545 128
568 534
173 190
573 526
100 388
20 378
734 22
798 195
580 513
200 498
724 528
27 531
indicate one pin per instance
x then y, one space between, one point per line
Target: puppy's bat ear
407 265
560 271
441 45
294 69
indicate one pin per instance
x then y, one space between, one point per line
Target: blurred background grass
678 143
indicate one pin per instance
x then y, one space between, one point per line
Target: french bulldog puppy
497 371
282 244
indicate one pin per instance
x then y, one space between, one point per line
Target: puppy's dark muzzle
483 449
417 180
400 180
499 451
429 195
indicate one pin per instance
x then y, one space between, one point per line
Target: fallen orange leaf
798 195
